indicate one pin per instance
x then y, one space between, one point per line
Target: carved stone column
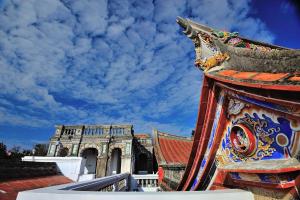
101 166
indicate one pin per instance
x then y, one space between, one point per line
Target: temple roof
171 149
228 57
142 136
276 81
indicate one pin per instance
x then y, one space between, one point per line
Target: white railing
144 183
114 183
120 182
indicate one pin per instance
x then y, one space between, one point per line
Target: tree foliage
40 149
16 152
3 154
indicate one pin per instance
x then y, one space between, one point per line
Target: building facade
106 149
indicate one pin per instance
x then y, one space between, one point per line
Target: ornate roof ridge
173 136
87 125
228 50
142 134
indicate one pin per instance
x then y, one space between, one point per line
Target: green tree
26 152
3 154
40 149
16 153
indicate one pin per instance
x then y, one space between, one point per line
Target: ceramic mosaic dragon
229 50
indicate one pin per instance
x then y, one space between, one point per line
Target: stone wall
172 176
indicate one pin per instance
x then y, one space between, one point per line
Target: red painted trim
264 185
222 179
203 105
256 85
218 187
259 171
280 102
297 180
209 118
259 97
215 145
160 173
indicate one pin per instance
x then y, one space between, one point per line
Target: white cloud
101 62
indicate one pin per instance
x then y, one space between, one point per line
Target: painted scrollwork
251 143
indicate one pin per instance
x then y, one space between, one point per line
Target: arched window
63 152
115 163
90 156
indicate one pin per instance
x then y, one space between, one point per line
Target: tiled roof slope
172 149
17 176
9 189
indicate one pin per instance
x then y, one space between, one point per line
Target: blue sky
125 61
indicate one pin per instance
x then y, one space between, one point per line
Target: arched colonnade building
106 149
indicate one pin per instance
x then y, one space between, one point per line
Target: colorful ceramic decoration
242 140
250 140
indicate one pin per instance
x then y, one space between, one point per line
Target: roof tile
244 75
227 72
175 150
295 78
11 188
269 76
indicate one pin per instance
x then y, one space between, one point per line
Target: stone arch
115 161
114 146
88 146
90 156
63 152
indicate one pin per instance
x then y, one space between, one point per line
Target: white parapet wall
71 167
91 190
57 194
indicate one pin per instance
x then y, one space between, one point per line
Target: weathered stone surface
74 140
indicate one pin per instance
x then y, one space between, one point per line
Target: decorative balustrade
145 182
118 182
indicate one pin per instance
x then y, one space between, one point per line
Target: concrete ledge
45 194
49 158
